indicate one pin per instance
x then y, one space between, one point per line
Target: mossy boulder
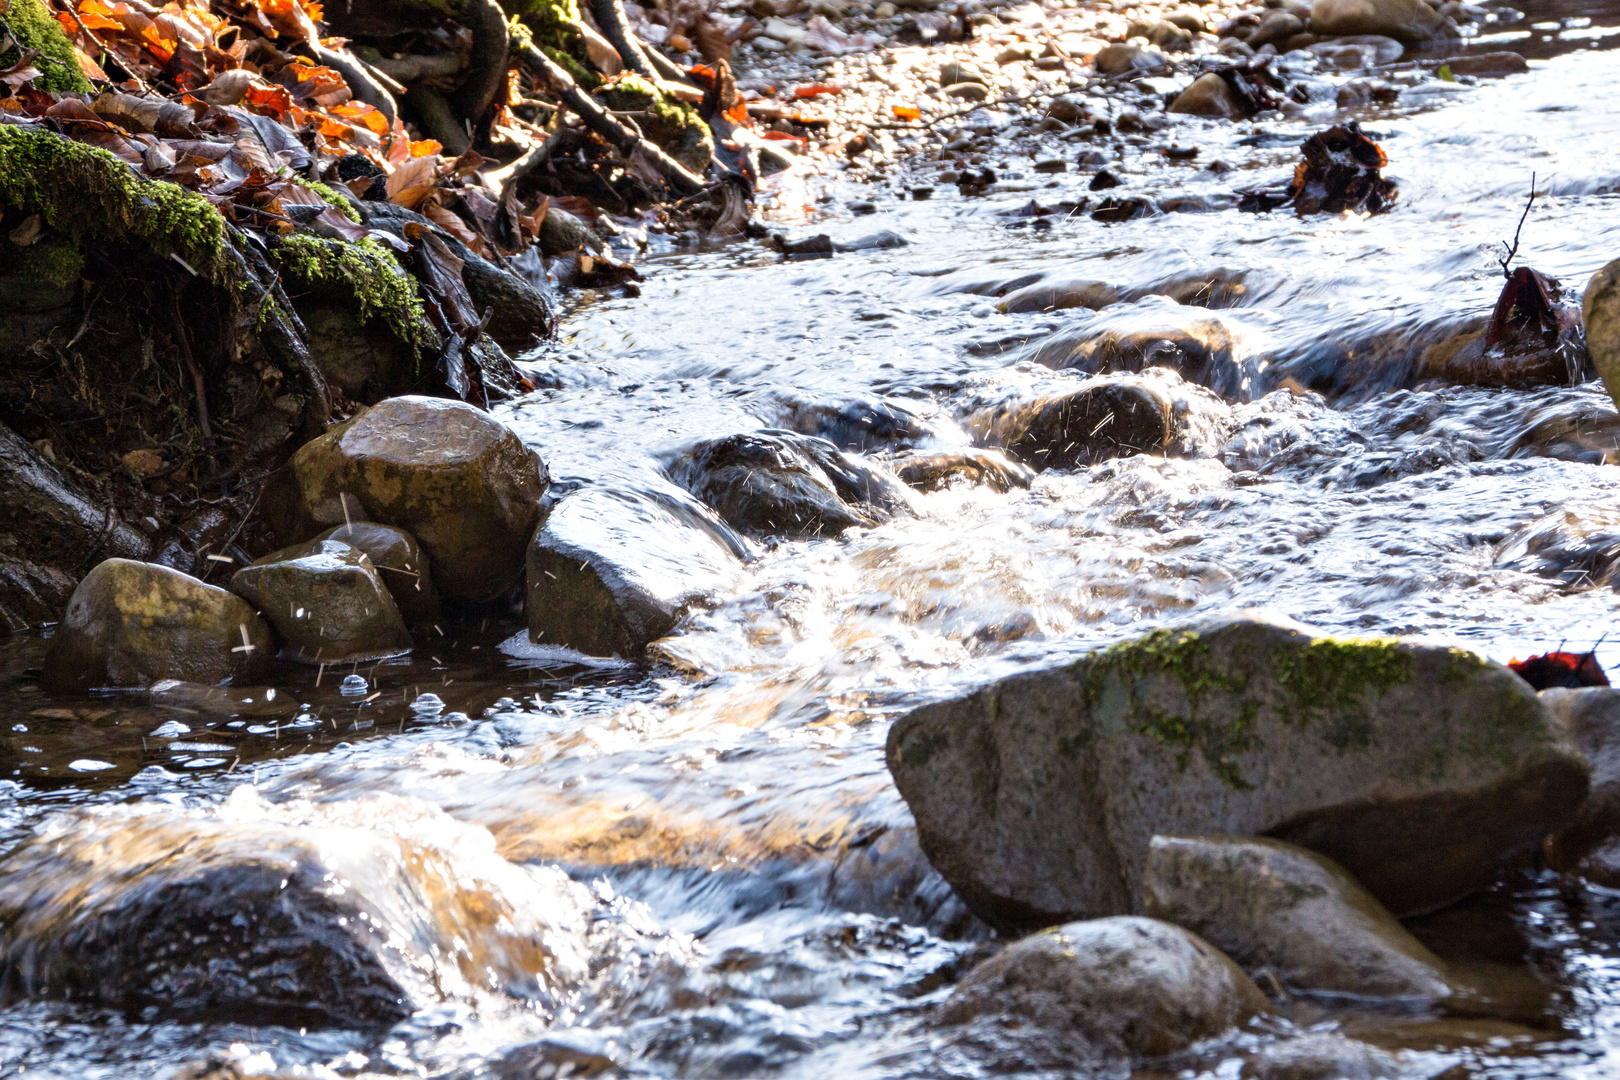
326 601
400 561
446 472
1274 906
1118 988
611 571
1420 769
673 125
133 623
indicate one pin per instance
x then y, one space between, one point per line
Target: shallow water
735 795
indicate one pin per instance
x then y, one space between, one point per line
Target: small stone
1126 986
885 10
1068 108
1276 28
954 72
967 91
400 561
1209 95
1060 294
1169 37
1104 180
943 469
1013 54
1054 165
1488 65
1124 59
1270 905
145 463
132 624
326 601
1322 1056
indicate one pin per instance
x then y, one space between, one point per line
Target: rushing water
733 798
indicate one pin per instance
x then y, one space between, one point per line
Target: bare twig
1507 260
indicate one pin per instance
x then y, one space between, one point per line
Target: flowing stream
733 797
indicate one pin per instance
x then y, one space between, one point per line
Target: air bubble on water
170 729
427 706
353 686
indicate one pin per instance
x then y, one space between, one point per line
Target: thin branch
1507 260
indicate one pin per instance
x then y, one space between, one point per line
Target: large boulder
1275 906
1124 986
326 601
1411 22
781 483
355 912
401 562
1591 715
459 481
612 570
1419 768
132 624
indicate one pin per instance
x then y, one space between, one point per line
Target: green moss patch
379 286
673 125
34 27
85 193
553 27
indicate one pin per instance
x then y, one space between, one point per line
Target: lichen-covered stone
400 562
610 571
780 483
133 623
459 481
326 601
1274 906
1420 769
1125 986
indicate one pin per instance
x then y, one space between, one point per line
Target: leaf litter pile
228 222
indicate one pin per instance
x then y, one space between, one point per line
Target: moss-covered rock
43 276
88 194
673 125
553 26
365 272
133 623
1418 768
33 26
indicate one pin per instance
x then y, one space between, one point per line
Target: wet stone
399 560
1209 96
1124 59
1600 309
1058 294
943 469
1591 715
780 483
1420 769
355 913
132 624
1105 418
1492 65
1410 22
1322 1056
610 571
326 601
1273 906
459 481
1123 987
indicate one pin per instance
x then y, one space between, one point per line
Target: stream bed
729 803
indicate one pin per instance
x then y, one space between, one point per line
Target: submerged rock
133 623
1420 769
1592 717
1105 417
1197 344
933 472
1059 294
326 601
1322 1056
1124 986
399 560
459 481
610 571
1411 22
1209 96
355 912
779 483
1272 905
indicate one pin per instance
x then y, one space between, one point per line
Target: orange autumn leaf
331 129
907 112
367 115
426 147
815 90
738 113
275 99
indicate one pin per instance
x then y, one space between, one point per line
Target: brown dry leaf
412 180
147 463
453 225
153 115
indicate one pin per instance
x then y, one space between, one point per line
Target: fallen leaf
907 112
